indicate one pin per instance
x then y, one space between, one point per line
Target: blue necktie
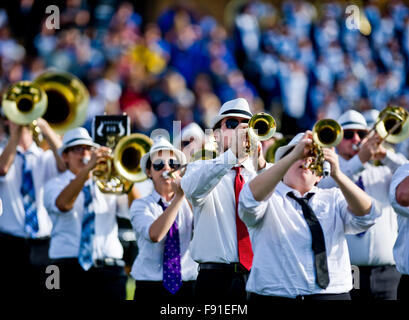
172 276
87 231
29 200
360 184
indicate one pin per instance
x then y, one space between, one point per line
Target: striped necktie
87 231
27 191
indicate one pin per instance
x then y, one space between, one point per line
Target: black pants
23 264
102 283
377 283
260 300
221 286
403 288
154 292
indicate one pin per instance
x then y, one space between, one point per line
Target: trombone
326 133
120 170
392 125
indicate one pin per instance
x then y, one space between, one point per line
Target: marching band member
163 223
84 239
371 251
399 197
25 225
298 230
220 243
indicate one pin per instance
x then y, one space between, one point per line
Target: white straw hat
161 143
282 150
353 120
76 137
234 108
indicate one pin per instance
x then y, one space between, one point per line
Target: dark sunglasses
232 123
349 134
158 165
80 149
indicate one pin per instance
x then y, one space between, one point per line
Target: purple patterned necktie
172 277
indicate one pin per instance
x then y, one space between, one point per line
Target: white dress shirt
148 265
209 187
283 263
374 247
401 248
44 167
66 232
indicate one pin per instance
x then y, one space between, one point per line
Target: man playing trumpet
221 244
371 251
298 230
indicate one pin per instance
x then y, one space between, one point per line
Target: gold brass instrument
393 124
122 169
59 97
262 126
24 102
67 100
326 133
208 152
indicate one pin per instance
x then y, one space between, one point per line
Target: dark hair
218 125
148 163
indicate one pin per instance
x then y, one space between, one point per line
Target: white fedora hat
234 108
76 137
280 152
161 143
353 120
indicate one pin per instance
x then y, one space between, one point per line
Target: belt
232 267
109 262
10 237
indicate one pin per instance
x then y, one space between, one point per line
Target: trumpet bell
24 102
203 154
127 156
396 119
262 126
67 100
327 133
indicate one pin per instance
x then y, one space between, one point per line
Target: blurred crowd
297 60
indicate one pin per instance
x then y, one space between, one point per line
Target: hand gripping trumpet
326 133
392 125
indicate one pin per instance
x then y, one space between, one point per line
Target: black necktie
318 241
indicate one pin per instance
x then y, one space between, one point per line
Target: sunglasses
232 123
349 134
80 149
158 165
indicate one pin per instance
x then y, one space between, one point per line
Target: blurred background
164 60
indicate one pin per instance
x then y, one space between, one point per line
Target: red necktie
243 239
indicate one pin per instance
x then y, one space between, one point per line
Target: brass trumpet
326 133
122 169
262 126
209 151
